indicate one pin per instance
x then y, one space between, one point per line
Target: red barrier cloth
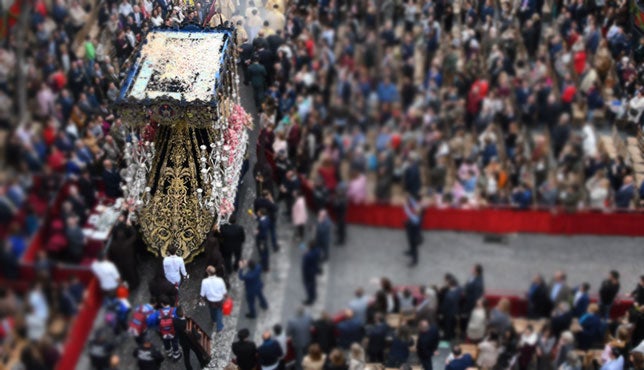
503 220
81 328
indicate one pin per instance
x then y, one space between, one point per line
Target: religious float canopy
188 136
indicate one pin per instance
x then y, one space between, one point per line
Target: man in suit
607 293
581 300
377 335
427 343
269 353
624 195
252 279
559 291
245 351
474 288
266 202
310 268
111 179
538 301
450 306
299 330
323 234
258 77
413 227
261 238
232 240
349 331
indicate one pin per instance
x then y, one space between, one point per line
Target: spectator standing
269 352
581 300
323 234
233 237
413 227
607 293
213 292
427 344
252 279
299 330
187 342
148 357
261 238
245 351
310 269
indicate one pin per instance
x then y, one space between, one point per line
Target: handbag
227 307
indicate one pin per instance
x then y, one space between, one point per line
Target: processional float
187 136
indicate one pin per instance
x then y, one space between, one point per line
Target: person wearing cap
213 292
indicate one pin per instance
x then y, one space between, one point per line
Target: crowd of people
464 105
459 104
564 325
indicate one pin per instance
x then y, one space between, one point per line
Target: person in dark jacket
581 300
258 79
460 360
214 256
638 292
270 352
123 252
100 350
310 268
160 287
245 351
232 240
474 288
324 332
538 301
427 343
561 318
450 305
261 238
148 357
252 279
399 349
592 328
186 342
377 335
112 180
267 203
349 331
411 175
607 293
323 234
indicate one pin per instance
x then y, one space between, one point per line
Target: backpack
111 314
138 322
166 323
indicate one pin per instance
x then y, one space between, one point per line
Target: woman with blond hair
357 359
315 359
500 316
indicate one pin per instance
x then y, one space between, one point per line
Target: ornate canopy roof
177 72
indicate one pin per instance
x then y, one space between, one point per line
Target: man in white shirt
174 267
107 274
213 292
